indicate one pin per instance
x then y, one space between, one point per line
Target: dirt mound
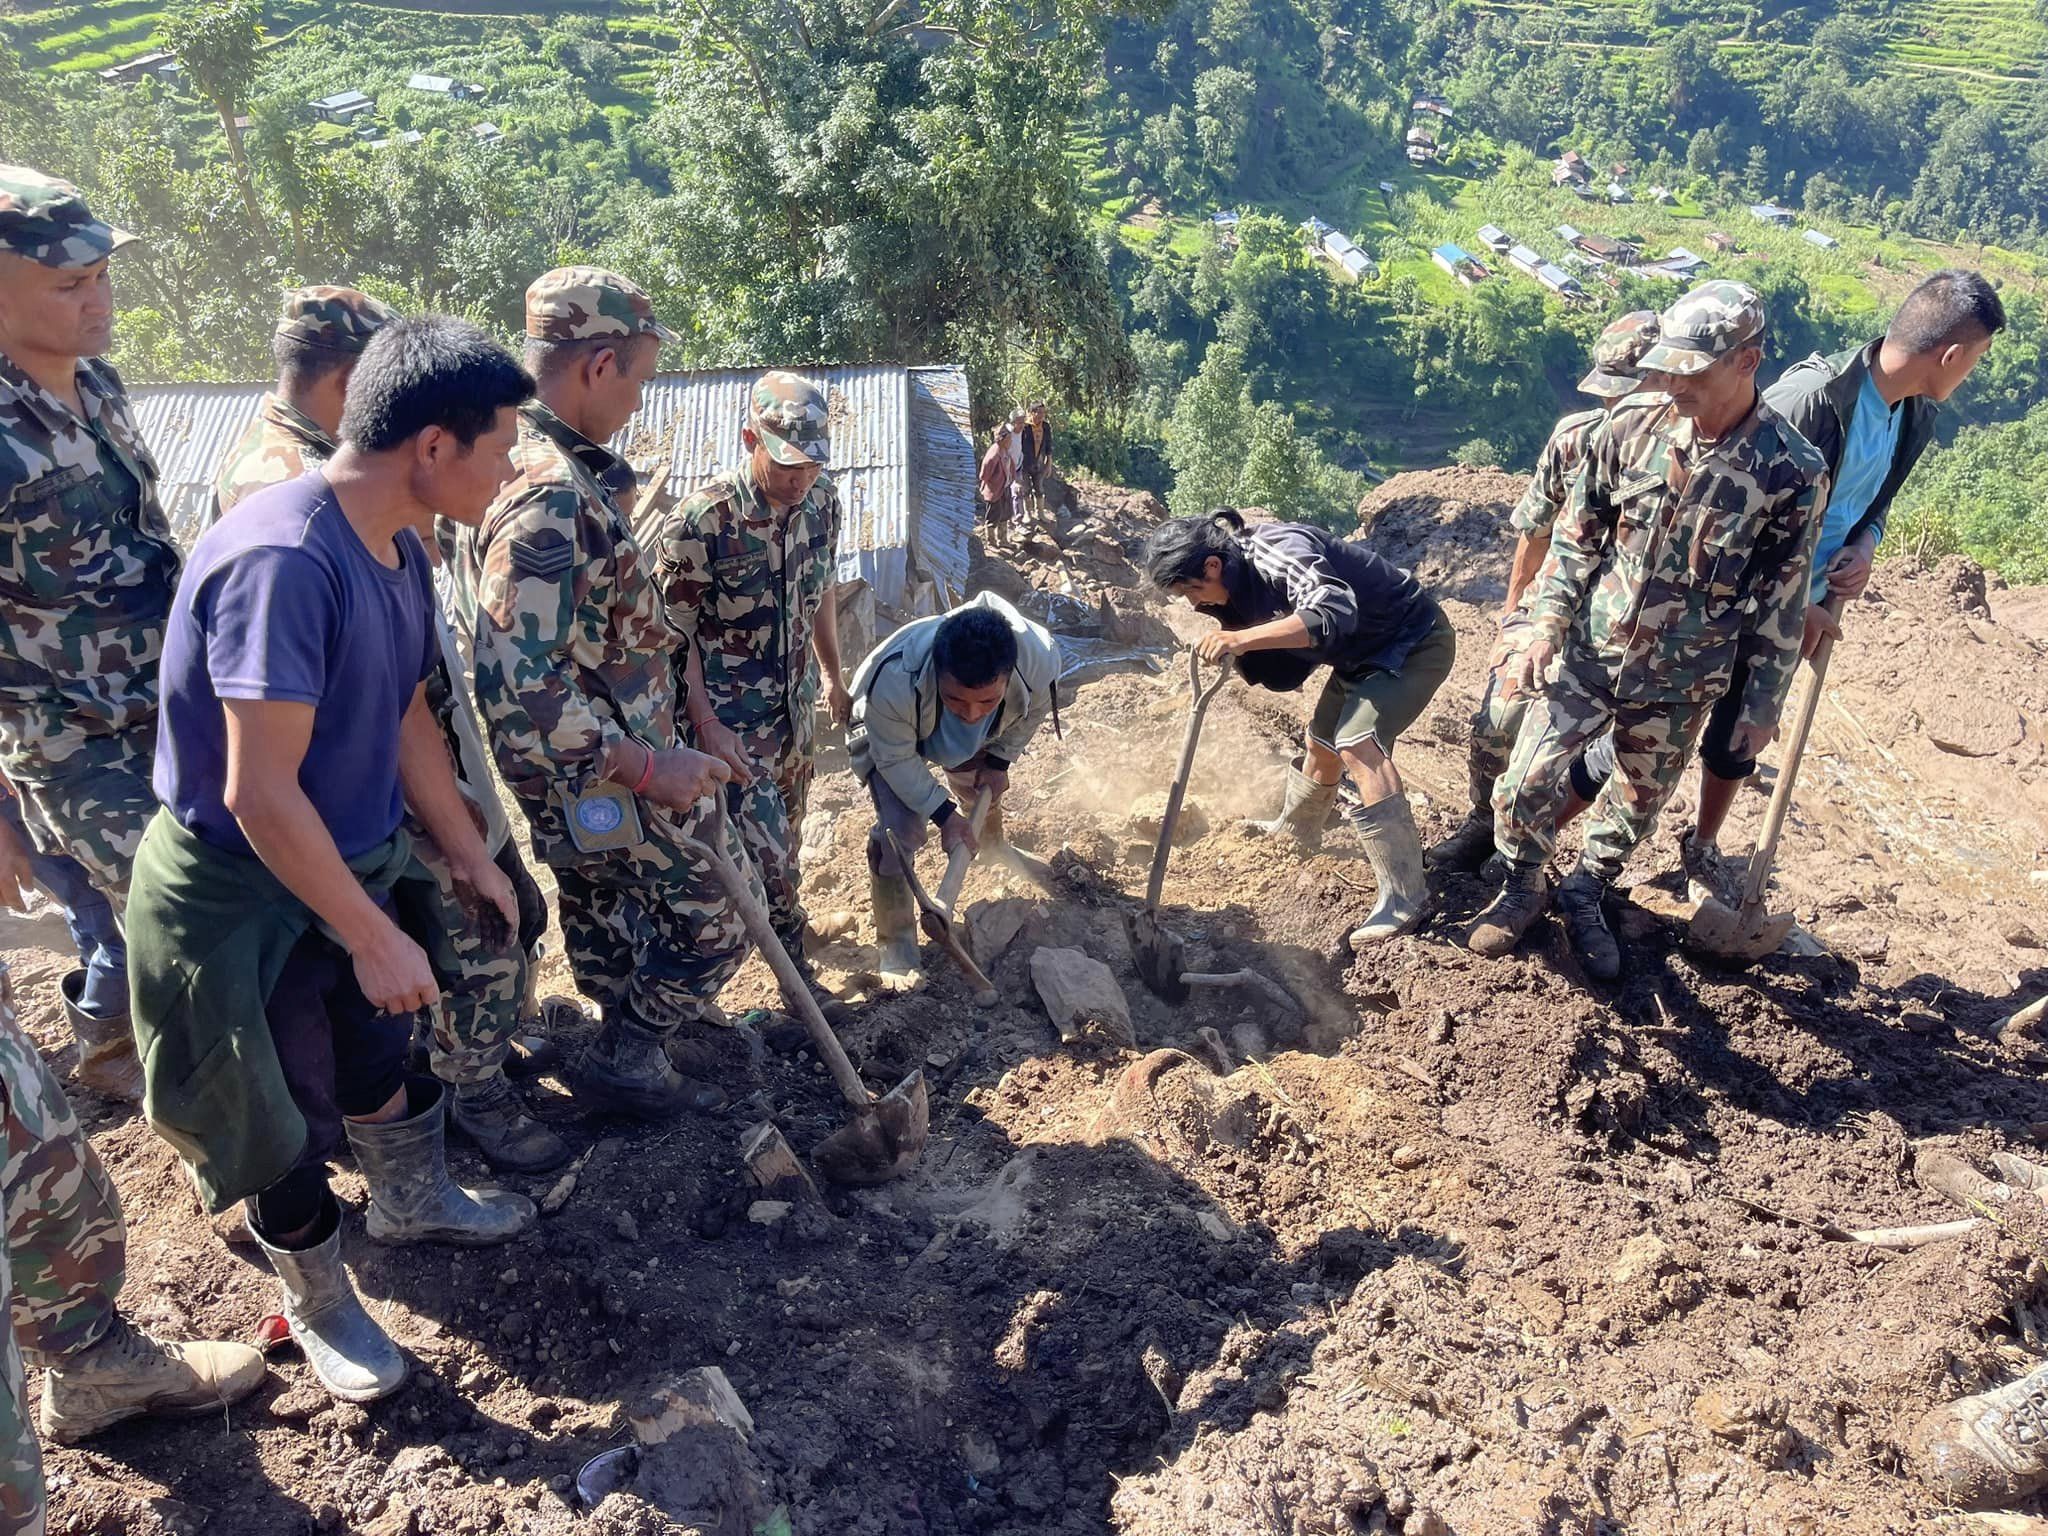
1424 1244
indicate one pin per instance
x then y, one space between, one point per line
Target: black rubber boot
1578 900
1467 849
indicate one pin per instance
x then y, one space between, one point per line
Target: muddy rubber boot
1387 828
107 1063
491 1115
353 1357
1987 1451
1524 897
626 1071
1578 900
1304 813
125 1373
412 1199
1467 849
897 959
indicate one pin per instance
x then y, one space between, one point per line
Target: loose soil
1450 1245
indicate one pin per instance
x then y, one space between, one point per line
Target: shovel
1750 931
1160 954
936 917
882 1138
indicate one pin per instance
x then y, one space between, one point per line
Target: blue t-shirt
283 602
1867 455
954 741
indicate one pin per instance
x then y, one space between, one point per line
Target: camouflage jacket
281 444
572 651
87 570
1551 485
1672 562
746 585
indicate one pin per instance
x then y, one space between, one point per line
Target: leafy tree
1223 119
1986 496
215 41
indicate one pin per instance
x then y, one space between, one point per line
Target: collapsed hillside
1445 1246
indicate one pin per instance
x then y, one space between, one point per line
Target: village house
1460 263
342 108
1772 214
1495 239
1824 241
444 85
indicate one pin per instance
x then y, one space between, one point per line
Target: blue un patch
599 816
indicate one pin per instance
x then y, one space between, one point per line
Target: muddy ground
1448 1246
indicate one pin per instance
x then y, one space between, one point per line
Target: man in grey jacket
962 692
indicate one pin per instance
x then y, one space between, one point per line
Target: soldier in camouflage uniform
87 566
1686 548
1499 717
60 1273
319 336
575 675
320 333
746 570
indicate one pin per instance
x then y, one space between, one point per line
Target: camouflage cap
1705 326
581 303
46 220
339 319
789 416
1617 354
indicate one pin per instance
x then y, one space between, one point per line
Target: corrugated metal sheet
902 452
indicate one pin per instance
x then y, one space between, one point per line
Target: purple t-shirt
282 601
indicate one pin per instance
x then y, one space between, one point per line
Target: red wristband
646 774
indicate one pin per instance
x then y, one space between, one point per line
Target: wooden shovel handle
762 931
1170 818
1788 773
958 860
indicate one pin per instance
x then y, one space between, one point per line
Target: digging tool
938 926
882 1138
1750 931
962 856
1160 953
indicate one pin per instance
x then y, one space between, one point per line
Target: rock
766 1213
1141 822
2020 936
1080 992
833 925
627 1228
1215 1226
514 1326
1407 1158
1426 1522
1643 1257
993 925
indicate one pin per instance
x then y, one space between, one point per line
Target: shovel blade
1746 934
1159 954
883 1144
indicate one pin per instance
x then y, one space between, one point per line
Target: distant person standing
998 482
1037 457
87 568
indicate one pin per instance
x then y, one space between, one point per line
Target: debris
695 1397
1407 1159
772 1164
1217 1052
2020 936
1079 992
627 1228
1643 1257
833 926
993 925
1265 986
1143 821
2022 1026
766 1213
565 1186
1906 1238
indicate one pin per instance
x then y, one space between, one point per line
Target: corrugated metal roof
902 453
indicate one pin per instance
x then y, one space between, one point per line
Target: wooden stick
958 860
2019 1026
1904 1239
1268 988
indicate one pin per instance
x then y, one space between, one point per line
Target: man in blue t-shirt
294 734
1871 412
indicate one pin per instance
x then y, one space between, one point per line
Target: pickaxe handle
1788 773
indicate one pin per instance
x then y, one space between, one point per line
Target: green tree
1987 496
215 41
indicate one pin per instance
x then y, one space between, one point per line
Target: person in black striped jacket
1290 598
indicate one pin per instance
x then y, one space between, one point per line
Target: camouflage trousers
480 966
771 827
93 806
66 1251
1495 725
1652 743
649 931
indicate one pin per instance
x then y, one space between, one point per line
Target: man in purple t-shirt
294 734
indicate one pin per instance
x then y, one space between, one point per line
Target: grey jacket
896 705
1819 398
